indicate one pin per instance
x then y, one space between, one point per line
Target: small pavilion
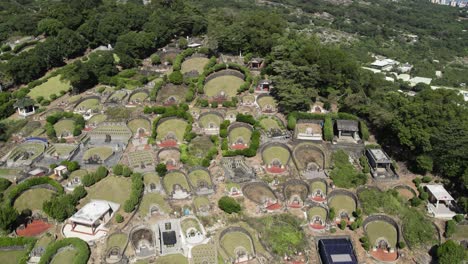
60 170
440 202
25 106
92 216
347 128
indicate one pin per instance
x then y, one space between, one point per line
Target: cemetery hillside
226 132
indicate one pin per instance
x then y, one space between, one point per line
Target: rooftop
439 192
92 211
337 250
347 125
380 156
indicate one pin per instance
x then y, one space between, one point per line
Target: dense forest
429 130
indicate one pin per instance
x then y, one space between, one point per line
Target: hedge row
81 246
156 88
27 242
20 188
92 178
328 129
172 111
248 152
294 116
364 130
136 194
223 128
249 119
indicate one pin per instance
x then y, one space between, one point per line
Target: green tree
49 26
161 169
8 216
450 228
229 205
450 253
176 77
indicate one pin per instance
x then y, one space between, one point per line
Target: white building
440 203
415 80
384 64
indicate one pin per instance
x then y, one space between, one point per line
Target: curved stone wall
224 72
306 153
255 191
295 186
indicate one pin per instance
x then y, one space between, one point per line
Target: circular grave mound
171 94
117 97
270 123
64 128
248 99
309 156
258 192
224 83
239 135
317 216
383 234
170 131
267 103
115 246
200 178
237 243
170 157
97 119
296 192
199 146
202 204
138 96
276 157
343 202
192 230
140 126
318 189
33 199
25 154
196 64
88 104
98 154
175 181
405 191
142 240
210 120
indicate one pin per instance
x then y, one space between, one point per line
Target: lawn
151 177
53 86
227 84
9 172
117 240
117 96
194 64
65 256
78 173
176 91
64 127
140 97
136 124
174 178
275 152
11 256
102 152
172 259
318 185
197 176
266 100
89 104
199 146
176 126
240 132
378 229
258 193
189 223
248 99
317 211
44 241
339 202
205 120
461 232
32 199
112 188
96 119
153 198
232 240
201 201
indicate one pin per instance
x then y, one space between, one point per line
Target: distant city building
455 3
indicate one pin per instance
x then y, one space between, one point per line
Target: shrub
117 169
126 171
426 179
8 216
458 218
249 119
331 214
415 201
450 228
161 169
364 164
424 196
450 252
332 230
45 102
354 226
417 182
53 97
229 205
155 59
4 184
364 130
119 218
135 195
214 105
401 244
176 77
343 224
